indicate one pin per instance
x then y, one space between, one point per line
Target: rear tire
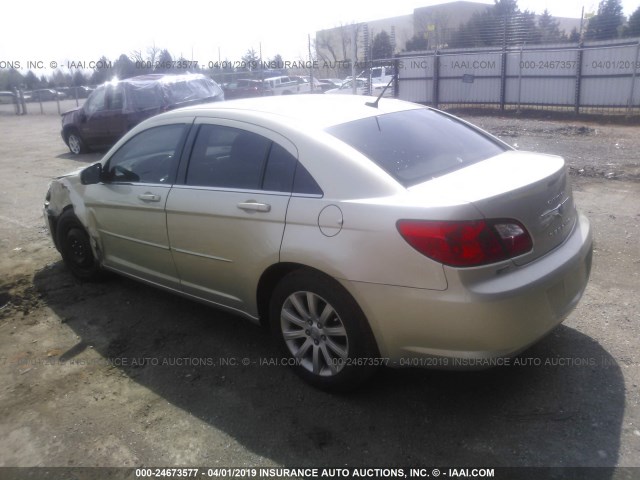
320 327
75 248
75 143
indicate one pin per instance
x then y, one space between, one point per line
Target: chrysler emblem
548 216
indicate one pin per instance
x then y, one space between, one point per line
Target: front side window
149 157
414 146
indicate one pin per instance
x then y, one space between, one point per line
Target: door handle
252 206
149 197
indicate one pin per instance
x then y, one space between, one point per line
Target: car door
94 119
114 115
127 207
226 220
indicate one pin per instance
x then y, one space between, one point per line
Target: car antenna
375 104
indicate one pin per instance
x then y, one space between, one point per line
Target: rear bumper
474 321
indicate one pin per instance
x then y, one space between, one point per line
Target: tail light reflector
467 243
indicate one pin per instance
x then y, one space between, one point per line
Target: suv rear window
416 145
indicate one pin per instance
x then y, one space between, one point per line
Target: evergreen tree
502 24
416 43
549 28
79 79
605 24
165 62
101 75
31 81
381 46
574 36
250 60
633 27
277 62
124 67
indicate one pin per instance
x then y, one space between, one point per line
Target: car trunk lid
528 187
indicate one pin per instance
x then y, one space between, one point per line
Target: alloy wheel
314 333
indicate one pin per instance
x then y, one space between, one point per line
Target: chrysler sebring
362 232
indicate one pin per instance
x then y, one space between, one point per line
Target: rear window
416 145
179 92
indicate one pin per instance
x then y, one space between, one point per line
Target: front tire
75 248
320 326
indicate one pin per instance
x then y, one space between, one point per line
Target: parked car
114 108
329 83
246 88
361 88
77 92
363 233
346 88
7 97
46 94
314 85
285 85
381 74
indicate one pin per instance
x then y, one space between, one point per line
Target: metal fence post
23 102
503 67
57 99
435 100
16 100
396 78
633 78
520 78
578 78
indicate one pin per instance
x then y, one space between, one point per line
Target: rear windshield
416 145
179 92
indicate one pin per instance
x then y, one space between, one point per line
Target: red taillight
466 243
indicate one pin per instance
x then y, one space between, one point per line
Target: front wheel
75 247
323 331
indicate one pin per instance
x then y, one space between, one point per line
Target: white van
286 85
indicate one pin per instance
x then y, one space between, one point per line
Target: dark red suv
116 107
245 88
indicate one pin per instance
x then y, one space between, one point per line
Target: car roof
320 110
153 78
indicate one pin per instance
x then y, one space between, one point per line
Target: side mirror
91 175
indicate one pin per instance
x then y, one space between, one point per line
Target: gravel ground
120 374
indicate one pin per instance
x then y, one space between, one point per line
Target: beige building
436 23
334 45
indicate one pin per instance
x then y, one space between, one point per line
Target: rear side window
145 96
285 174
416 145
228 157
278 176
96 101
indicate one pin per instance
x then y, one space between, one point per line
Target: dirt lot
120 374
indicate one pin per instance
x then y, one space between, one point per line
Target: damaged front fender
66 193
